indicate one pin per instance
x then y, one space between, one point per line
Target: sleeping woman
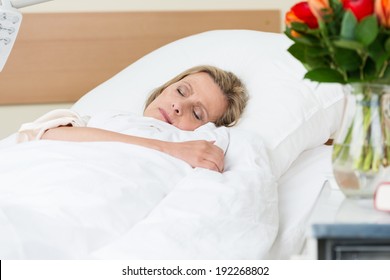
121 185
193 98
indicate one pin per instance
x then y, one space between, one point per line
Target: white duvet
108 200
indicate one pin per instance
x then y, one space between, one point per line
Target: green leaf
316 57
378 54
306 40
348 26
347 60
354 77
387 45
349 44
303 39
314 51
367 30
316 62
299 26
287 32
298 51
336 5
314 32
311 56
325 75
370 70
376 49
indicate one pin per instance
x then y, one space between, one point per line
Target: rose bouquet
342 41
348 42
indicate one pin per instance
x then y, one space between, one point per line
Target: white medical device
10 20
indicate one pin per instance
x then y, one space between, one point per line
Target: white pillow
289 113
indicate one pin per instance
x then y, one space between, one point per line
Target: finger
218 158
210 165
217 163
220 167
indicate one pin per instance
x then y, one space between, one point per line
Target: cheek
157 102
167 92
167 97
151 110
186 124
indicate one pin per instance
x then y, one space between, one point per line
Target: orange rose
291 17
382 10
300 12
319 8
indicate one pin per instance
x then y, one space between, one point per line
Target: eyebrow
198 103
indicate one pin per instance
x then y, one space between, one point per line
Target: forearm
198 153
89 134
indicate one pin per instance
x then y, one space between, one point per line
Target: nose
177 108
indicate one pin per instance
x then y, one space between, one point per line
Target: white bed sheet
298 191
107 200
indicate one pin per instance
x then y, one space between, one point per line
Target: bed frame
58 57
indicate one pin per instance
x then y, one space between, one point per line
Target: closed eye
182 90
197 116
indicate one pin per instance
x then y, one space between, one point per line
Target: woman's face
189 103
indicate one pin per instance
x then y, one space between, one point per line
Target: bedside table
348 228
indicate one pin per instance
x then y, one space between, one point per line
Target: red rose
360 8
301 12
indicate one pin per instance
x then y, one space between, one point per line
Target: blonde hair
232 87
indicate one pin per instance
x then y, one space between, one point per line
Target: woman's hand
198 153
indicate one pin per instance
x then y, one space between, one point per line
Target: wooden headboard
58 57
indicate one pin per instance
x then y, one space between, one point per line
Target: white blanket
108 200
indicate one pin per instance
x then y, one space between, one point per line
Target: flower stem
367 158
383 70
363 160
364 57
330 47
343 148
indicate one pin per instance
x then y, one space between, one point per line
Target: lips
165 116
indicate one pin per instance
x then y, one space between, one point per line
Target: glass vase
361 151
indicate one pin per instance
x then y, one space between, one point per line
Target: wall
117 5
13 116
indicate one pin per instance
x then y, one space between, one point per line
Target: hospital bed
62 200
